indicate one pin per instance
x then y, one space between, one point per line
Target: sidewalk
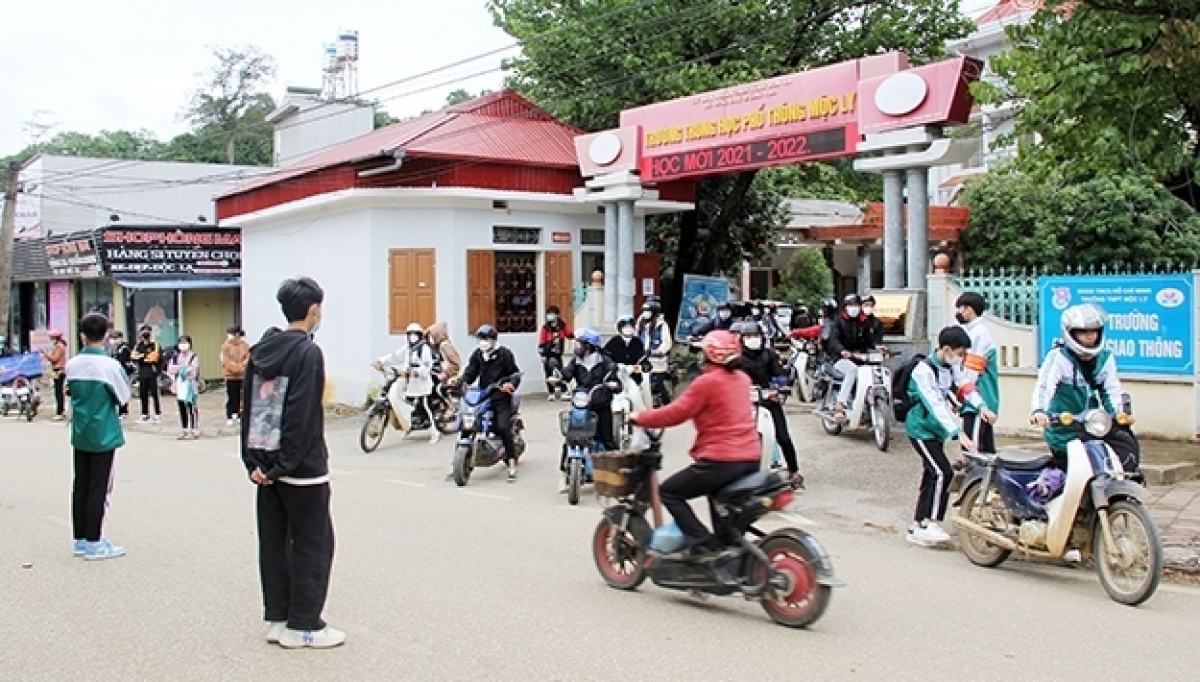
1176 509
211 407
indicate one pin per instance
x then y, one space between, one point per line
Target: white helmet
1084 317
414 328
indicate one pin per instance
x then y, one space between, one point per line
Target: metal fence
1012 293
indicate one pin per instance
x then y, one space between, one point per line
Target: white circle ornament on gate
604 149
901 93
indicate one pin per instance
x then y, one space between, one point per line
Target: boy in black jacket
492 363
283 448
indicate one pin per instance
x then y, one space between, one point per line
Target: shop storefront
47 273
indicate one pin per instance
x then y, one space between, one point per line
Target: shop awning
180 283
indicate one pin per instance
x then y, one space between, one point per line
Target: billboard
1151 318
701 296
171 253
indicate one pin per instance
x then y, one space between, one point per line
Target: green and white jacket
981 367
931 417
98 387
1063 387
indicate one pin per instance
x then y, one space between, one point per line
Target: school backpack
901 402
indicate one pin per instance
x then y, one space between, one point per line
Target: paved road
495 581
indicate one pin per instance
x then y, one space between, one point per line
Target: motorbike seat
1023 460
759 481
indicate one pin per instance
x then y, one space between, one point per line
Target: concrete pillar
610 265
624 268
918 227
893 229
864 268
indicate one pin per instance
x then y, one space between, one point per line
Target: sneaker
229 422
1073 556
103 549
563 487
80 548
144 419
324 638
59 417
550 396
157 418
435 437
512 475
936 531
917 536
276 631
183 435
194 434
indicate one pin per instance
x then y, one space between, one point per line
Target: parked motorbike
802 369
20 395
392 408
1009 504
478 445
872 404
786 570
579 431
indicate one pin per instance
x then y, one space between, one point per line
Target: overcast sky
88 66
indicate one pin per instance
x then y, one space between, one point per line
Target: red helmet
720 347
55 334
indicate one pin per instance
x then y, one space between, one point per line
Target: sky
88 66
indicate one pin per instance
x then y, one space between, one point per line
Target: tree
1108 86
807 278
586 61
230 106
461 95
1112 220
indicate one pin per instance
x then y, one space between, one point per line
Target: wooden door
646 266
481 289
412 294
559 282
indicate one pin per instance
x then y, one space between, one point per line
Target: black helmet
751 328
625 321
829 306
652 305
486 331
851 299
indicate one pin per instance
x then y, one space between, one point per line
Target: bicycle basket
608 477
575 432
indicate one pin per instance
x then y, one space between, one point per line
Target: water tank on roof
331 57
347 46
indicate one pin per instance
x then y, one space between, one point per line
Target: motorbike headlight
1097 423
468 419
874 357
580 399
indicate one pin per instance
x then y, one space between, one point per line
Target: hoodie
439 338
302 454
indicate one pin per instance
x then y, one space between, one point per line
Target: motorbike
20 395
872 404
633 397
579 431
786 570
392 408
1011 504
478 445
766 427
802 369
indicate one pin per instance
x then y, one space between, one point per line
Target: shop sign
560 237
171 253
73 258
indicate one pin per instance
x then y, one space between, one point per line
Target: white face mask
852 310
550 317
413 339
753 342
485 345
627 332
185 347
869 310
723 314
229 337
955 361
646 314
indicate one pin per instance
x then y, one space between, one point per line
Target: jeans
295 552
701 478
849 372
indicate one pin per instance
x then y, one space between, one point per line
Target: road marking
407 483
487 495
797 519
58 521
339 472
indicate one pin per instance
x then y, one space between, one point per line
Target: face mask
852 310
485 345
869 309
627 332
315 328
550 317
185 347
962 319
146 335
955 361
645 314
724 314
229 337
753 342
755 312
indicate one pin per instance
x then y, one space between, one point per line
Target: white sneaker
935 530
563 487
325 638
916 536
143 419
435 436
276 631
157 419
550 396
1073 556
228 422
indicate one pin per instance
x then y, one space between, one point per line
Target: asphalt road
496 581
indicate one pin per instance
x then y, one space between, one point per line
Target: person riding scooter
851 335
551 341
626 348
492 363
415 362
655 334
1078 374
726 447
592 370
761 363
723 320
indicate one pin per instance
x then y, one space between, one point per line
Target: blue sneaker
102 550
80 547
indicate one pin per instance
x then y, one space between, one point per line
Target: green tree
807 278
587 61
1112 220
461 95
1108 86
231 108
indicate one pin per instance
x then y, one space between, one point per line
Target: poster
1151 318
60 308
701 296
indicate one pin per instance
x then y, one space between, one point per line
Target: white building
305 124
465 215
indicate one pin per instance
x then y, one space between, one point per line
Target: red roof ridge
1008 8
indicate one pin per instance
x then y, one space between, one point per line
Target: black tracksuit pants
147 390
701 478
295 552
979 431
935 480
502 412
89 494
782 435
233 398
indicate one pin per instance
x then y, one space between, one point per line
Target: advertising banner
1151 318
701 296
148 253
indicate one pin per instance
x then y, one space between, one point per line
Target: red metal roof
502 127
1008 8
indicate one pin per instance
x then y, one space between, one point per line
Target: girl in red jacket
726 447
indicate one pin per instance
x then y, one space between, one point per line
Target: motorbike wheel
880 423
621 435
977 550
803 600
373 429
574 480
828 422
1132 575
620 560
463 465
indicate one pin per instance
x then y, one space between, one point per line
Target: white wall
318 126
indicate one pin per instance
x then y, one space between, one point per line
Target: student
929 424
119 350
551 342
99 386
184 370
980 368
147 354
235 353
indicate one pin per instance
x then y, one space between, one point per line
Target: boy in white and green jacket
981 368
98 387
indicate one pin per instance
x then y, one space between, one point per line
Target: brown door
560 284
412 296
646 267
481 289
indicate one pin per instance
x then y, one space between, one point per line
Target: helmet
868 297
55 334
486 331
736 327
414 328
652 305
851 299
553 310
625 321
829 306
588 336
751 328
1085 317
720 347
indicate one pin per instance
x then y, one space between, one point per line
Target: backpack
901 378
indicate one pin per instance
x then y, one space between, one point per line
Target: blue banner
28 365
1151 318
701 296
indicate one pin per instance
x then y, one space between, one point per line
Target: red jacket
718 401
812 333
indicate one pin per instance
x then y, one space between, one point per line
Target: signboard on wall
168 253
701 296
73 257
1151 318
60 307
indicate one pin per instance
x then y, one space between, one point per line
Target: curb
1170 474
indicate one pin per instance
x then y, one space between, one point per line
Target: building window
96 296
591 261
159 309
516 235
591 237
516 292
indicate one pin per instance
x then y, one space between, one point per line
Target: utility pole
6 243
